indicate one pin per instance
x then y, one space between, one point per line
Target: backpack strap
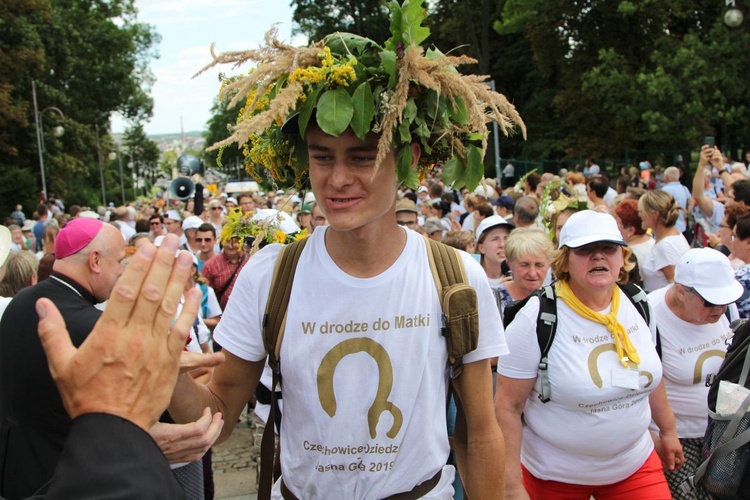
274 321
546 326
447 270
639 299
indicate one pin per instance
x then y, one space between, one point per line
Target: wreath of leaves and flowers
399 90
557 197
242 226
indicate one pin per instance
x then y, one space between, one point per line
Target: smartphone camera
709 140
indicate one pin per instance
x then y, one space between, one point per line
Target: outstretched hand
128 365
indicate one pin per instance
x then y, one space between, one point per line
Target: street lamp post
733 15
38 124
118 155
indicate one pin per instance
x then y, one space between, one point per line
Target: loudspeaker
182 188
189 165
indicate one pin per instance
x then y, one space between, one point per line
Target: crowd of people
544 229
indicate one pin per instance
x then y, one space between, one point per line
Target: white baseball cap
709 273
191 222
491 222
173 215
587 226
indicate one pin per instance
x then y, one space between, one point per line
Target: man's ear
416 152
94 260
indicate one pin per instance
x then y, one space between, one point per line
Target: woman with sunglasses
591 438
156 226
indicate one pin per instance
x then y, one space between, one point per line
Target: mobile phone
709 140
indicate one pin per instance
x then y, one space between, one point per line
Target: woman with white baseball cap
591 437
490 243
693 330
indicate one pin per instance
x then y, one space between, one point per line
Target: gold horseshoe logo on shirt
385 382
702 359
596 378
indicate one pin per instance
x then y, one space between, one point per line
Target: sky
188 28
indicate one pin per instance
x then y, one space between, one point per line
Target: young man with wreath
364 365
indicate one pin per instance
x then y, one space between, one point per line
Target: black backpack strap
546 326
639 299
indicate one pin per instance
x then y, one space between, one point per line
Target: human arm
703 201
478 441
187 442
510 400
229 390
668 272
212 322
106 399
667 443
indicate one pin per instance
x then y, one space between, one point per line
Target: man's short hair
436 190
244 195
207 228
599 185
41 209
526 210
741 190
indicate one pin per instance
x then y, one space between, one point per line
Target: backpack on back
546 322
458 300
725 471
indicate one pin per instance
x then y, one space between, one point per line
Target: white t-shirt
349 342
666 252
590 432
641 251
689 353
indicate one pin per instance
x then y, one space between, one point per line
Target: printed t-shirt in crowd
590 432
218 271
689 353
666 252
349 342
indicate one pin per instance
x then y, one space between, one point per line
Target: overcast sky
187 28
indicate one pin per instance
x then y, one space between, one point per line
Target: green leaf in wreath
454 171
364 109
410 111
307 109
406 175
412 15
388 61
474 166
458 112
403 130
396 27
335 111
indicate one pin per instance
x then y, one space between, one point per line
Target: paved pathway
234 464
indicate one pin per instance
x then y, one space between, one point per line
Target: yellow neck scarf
625 348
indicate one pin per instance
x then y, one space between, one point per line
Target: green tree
318 18
88 58
643 75
222 118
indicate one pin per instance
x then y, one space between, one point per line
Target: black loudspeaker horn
182 188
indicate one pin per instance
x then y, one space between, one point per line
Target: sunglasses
408 223
215 208
605 248
157 223
207 240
